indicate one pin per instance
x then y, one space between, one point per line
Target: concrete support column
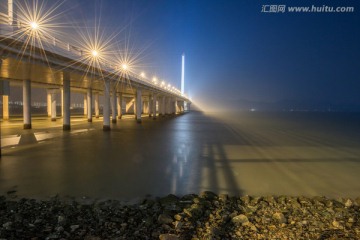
163 106
27 104
66 103
150 104
145 107
159 103
48 103
154 106
114 106
5 86
176 106
173 103
167 106
119 105
62 101
85 105
53 106
89 104
138 105
97 111
106 110
5 100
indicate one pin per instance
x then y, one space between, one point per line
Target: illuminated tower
183 74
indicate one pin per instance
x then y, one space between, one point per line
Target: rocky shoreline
204 216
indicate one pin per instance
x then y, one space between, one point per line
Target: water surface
236 153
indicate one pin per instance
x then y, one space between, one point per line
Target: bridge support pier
66 103
150 104
160 105
173 106
114 106
27 103
85 105
119 106
48 101
106 110
167 106
62 101
5 98
138 105
145 107
163 106
154 106
89 104
53 105
97 105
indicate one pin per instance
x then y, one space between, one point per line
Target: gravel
204 216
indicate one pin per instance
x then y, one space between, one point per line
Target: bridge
31 59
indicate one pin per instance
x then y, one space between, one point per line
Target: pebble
164 219
279 217
168 237
240 219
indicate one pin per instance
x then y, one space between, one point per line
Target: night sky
234 52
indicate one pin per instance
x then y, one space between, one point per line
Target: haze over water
254 153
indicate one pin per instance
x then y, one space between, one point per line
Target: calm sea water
236 153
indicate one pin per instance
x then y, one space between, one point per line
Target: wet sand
244 153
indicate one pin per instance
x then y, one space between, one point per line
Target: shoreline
203 216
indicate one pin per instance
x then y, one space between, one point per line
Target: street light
124 66
94 53
34 25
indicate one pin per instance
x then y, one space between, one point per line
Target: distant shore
204 216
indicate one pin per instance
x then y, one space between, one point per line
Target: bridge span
31 60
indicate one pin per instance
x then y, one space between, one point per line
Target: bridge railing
69 50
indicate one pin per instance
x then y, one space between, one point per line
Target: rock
168 237
348 203
279 217
164 219
245 199
7 225
223 197
178 217
74 227
357 201
59 229
61 220
240 219
336 224
208 195
178 225
38 221
169 199
206 217
123 225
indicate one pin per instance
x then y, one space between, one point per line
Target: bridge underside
41 75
